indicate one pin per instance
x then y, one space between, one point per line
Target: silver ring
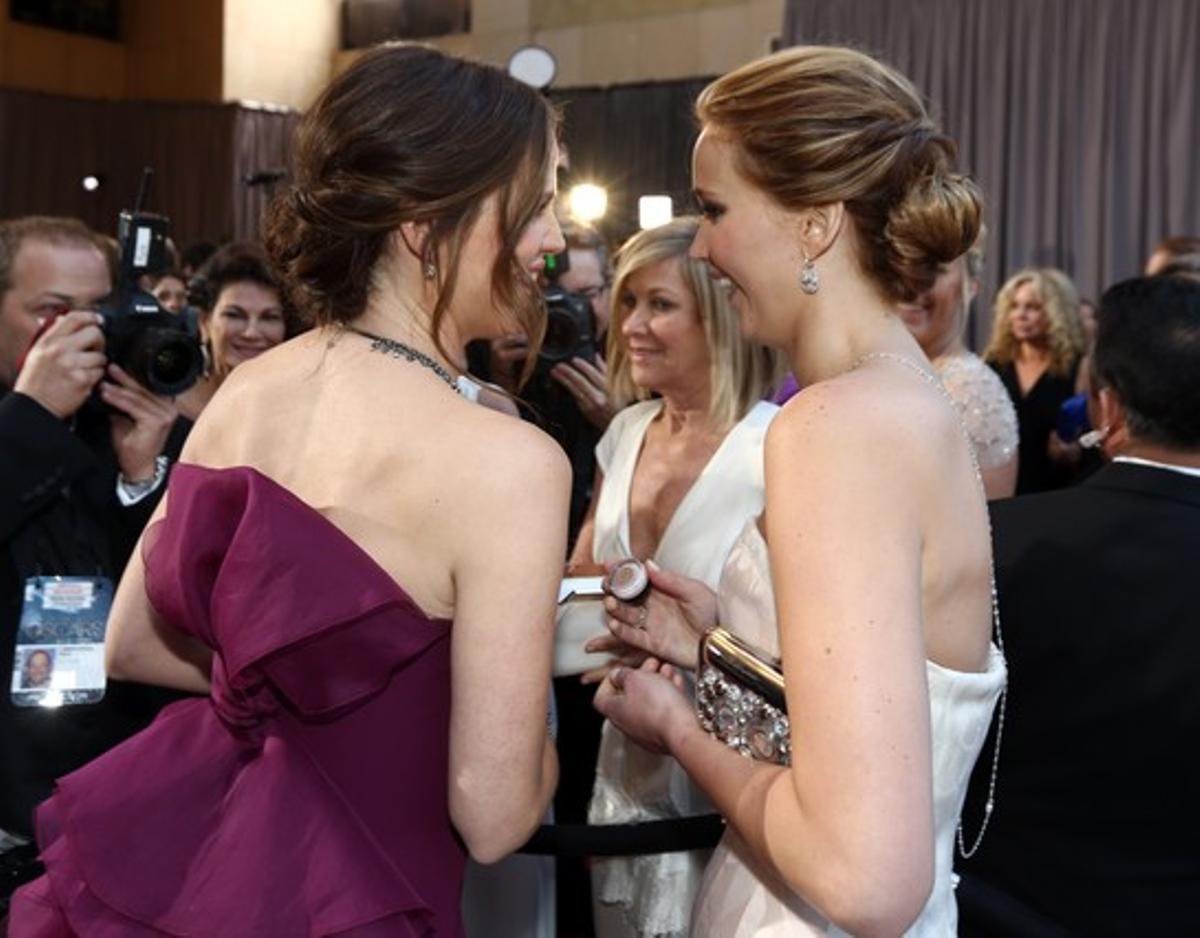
641 622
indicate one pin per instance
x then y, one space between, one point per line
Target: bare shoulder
257 392
508 454
880 418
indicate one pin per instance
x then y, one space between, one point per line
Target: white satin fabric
738 900
653 895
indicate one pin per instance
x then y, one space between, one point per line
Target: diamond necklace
990 804
407 352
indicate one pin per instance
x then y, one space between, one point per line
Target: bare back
382 447
464 507
899 453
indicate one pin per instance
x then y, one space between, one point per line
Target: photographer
589 275
77 483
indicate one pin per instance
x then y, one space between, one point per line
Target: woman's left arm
849 826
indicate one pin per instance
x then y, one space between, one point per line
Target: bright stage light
587 202
655 210
91 183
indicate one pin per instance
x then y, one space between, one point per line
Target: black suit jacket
1096 822
59 514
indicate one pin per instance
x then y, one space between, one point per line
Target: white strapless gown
738 899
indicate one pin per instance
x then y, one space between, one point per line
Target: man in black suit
77 483
1096 829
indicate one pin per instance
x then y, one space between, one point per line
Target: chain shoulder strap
990 804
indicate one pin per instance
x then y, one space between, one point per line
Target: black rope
616 840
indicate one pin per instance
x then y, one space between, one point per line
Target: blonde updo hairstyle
740 372
1064 327
813 125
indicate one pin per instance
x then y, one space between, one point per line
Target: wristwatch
132 492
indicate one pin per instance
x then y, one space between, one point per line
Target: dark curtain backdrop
200 154
1080 118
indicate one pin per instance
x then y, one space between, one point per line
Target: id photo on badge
59 655
37 668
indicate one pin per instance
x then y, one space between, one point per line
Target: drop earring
810 283
206 357
429 271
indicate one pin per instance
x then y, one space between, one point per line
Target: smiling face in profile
749 241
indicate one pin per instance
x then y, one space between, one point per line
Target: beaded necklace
408 353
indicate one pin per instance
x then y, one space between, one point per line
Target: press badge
59 657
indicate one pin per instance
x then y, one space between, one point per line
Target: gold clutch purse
739 697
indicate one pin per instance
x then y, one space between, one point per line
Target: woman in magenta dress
333 566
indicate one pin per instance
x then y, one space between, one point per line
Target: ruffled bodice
738 900
307 795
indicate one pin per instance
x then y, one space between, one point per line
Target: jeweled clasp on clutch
740 699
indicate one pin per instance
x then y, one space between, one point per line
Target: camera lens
562 335
171 364
166 361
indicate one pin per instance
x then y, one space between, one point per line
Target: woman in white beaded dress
830 199
678 476
937 320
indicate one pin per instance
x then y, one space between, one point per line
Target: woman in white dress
937 320
677 478
829 199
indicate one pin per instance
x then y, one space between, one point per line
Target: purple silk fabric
308 794
789 389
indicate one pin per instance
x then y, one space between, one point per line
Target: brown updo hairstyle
409 134
814 125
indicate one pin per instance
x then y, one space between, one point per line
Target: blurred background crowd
92 420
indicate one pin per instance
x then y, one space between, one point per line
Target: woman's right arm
503 767
849 827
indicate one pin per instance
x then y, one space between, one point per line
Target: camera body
159 349
570 321
570 329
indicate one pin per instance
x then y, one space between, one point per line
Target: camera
570 328
159 349
570 322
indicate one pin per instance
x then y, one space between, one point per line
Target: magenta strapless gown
307 795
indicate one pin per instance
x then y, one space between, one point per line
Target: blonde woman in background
829 199
1036 345
678 476
937 320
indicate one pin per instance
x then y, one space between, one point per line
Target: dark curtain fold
261 144
1079 118
200 153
